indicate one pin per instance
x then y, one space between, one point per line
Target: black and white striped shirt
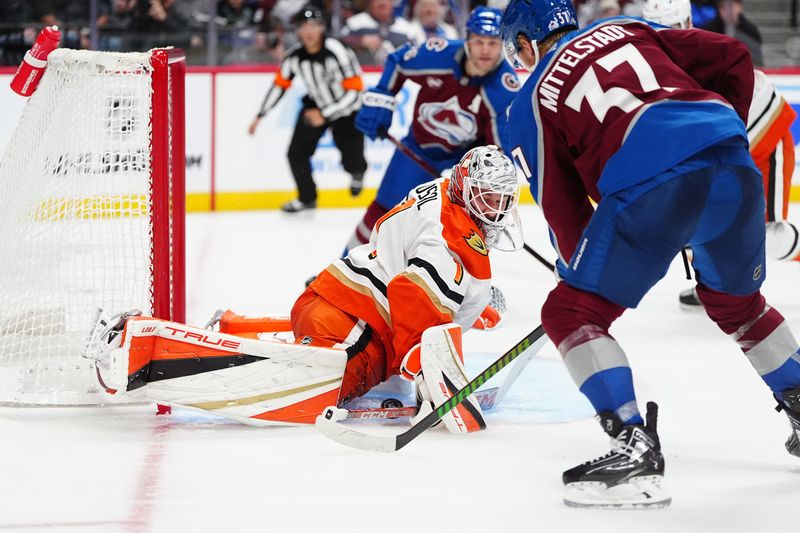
332 75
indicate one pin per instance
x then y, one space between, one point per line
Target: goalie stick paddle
328 422
432 171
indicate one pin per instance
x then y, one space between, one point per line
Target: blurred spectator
608 8
284 10
428 22
730 20
160 23
17 28
235 13
376 33
114 23
589 11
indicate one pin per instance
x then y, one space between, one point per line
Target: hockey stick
432 171
550 266
327 422
413 156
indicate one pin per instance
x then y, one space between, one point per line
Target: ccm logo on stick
224 343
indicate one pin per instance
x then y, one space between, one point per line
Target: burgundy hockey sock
760 331
568 309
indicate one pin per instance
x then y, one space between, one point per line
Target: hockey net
91 215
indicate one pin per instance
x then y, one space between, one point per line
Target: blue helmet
536 20
484 21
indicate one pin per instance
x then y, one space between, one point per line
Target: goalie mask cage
91 215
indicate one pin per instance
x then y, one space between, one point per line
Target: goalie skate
628 477
103 347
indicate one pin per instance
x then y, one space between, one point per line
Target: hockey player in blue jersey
465 88
648 122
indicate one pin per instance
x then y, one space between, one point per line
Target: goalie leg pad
254 381
443 375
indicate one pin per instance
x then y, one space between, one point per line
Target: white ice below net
74 213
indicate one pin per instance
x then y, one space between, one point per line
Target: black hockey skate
689 301
790 403
356 184
295 206
629 476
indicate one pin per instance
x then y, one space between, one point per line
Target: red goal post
92 206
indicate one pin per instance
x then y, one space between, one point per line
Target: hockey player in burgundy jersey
465 88
649 123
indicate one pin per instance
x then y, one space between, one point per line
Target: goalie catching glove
436 365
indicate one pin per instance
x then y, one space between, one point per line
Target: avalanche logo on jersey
510 82
476 243
434 83
448 121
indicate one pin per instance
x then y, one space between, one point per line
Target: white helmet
485 183
675 13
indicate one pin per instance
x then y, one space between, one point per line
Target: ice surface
123 469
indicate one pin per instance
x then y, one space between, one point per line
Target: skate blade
643 492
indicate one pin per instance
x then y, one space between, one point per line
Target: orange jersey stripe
399 208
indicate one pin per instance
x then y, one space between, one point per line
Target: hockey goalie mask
485 183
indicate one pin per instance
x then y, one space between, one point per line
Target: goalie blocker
237 374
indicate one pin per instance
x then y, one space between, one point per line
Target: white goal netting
75 220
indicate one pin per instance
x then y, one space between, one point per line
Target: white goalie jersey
426 264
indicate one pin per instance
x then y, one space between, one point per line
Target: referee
332 74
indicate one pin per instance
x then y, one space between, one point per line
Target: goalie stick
430 170
328 422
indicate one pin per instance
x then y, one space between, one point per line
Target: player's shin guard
443 375
629 476
577 322
364 229
761 333
767 342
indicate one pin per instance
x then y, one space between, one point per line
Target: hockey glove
488 319
375 116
